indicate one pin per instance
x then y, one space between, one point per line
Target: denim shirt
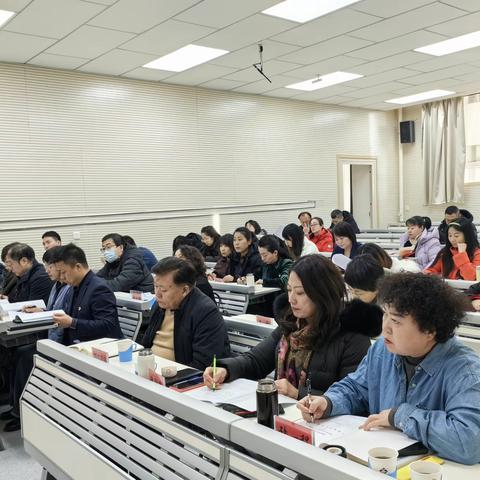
440 407
56 334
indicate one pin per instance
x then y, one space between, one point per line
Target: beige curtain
443 151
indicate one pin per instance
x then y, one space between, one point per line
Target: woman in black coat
312 341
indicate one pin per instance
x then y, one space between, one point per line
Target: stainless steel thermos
267 402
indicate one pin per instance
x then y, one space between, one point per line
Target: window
472 139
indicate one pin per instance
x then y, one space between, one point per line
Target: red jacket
323 240
463 268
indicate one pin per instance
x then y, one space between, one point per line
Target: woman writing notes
311 341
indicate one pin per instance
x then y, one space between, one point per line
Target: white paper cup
250 280
383 460
422 470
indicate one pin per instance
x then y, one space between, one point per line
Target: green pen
214 370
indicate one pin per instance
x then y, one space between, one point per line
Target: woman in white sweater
298 245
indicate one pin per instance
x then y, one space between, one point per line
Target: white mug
383 460
422 470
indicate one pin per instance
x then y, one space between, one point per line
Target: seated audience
124 269
9 281
276 263
320 236
338 216
149 258
305 218
193 255
311 342
185 324
255 228
453 213
51 239
420 241
33 282
210 247
192 239
222 267
345 240
460 256
418 378
297 243
245 259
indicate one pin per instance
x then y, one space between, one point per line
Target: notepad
23 317
16 307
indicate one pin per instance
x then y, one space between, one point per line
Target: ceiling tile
329 48
468 77
13 5
334 64
148 74
377 89
406 59
57 61
323 28
270 68
459 26
167 37
437 63
383 77
468 5
263 85
221 84
117 62
444 84
139 15
250 30
249 55
101 2
89 42
200 74
397 45
408 22
449 72
281 93
362 102
335 100
388 8
325 93
19 48
468 88
220 13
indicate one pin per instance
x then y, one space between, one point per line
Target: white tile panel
335 64
53 18
397 45
220 13
102 2
370 80
13 5
458 26
325 93
436 63
388 8
57 61
325 27
441 74
405 59
474 76
18 48
335 100
281 93
443 84
117 62
409 22
148 74
263 85
381 88
139 15
200 74
89 42
167 37
221 84
327 49
272 67
468 5
250 30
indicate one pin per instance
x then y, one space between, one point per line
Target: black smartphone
191 382
414 449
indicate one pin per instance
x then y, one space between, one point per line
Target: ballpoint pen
214 370
309 396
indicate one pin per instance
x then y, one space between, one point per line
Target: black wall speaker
407 131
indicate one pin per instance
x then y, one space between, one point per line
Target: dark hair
21 250
211 232
461 225
294 233
192 239
450 210
128 240
434 305
52 255
320 221
245 232
304 213
255 226
7 248
363 272
226 240
324 286
71 254
344 229
183 270
336 213
116 238
417 220
52 234
194 256
272 243
378 253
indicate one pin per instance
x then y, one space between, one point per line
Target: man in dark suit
91 310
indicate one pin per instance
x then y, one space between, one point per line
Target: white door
361 194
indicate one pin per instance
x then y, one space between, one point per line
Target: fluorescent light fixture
452 45
5 15
305 10
418 97
185 58
324 81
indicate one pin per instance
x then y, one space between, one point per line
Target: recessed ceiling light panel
452 45
324 81
5 15
418 97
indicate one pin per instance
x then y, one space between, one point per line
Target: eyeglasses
107 247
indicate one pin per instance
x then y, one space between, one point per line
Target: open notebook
22 317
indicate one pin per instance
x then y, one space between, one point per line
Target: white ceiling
374 38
